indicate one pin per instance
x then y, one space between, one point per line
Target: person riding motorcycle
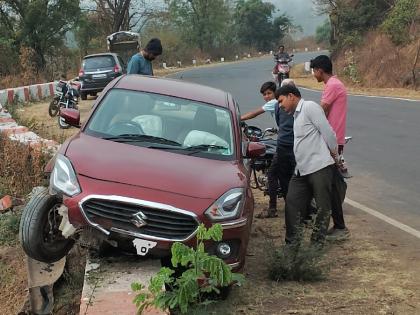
281 68
281 54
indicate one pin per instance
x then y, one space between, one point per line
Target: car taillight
117 69
81 72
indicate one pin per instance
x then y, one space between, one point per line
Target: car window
98 62
188 123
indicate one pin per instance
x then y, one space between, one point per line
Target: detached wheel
53 108
38 232
83 96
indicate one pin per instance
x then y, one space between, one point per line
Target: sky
302 12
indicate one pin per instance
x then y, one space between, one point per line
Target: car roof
176 88
101 54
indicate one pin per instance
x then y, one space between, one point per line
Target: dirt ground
376 271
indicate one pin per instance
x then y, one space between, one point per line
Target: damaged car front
147 168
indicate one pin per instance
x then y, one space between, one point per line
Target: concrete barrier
24 94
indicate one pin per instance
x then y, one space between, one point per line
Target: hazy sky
302 12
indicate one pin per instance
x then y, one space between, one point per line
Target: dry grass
21 167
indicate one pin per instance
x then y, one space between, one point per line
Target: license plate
99 76
143 246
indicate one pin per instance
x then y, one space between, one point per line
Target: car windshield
164 122
98 62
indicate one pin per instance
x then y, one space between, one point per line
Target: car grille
160 223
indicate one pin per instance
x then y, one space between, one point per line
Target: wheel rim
51 232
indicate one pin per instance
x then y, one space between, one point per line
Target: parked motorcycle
282 68
261 165
66 95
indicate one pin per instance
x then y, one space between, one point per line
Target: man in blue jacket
141 63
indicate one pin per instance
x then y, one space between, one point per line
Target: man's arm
321 123
252 114
326 107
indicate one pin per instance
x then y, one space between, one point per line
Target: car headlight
63 178
228 206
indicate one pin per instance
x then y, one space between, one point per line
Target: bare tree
118 15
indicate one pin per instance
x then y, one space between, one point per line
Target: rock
5 203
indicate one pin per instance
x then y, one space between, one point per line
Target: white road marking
371 96
383 217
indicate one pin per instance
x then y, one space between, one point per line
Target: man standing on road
314 145
141 63
334 103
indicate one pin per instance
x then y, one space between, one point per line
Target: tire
83 96
280 78
53 108
34 229
62 124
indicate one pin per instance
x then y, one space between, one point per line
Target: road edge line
383 217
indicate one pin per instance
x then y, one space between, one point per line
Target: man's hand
336 157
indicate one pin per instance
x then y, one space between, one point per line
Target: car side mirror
71 116
255 150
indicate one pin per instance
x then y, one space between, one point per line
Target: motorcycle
261 165
66 95
282 68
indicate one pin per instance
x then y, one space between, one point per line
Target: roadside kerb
35 92
15 132
107 285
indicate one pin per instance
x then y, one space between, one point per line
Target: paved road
384 155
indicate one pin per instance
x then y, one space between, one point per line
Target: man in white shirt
315 149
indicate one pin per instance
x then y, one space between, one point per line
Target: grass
21 167
9 228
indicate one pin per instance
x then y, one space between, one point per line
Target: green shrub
297 262
350 70
399 19
202 274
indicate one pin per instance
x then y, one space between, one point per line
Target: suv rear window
98 62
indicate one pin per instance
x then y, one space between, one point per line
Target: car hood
152 168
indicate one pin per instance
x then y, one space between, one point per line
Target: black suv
97 71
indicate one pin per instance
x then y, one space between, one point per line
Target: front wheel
62 123
39 234
281 77
53 108
83 96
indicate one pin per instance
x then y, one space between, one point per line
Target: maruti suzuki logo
138 219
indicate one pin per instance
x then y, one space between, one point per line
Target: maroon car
155 158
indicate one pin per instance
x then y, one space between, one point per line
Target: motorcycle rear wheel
53 108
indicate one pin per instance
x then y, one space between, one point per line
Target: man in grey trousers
315 149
